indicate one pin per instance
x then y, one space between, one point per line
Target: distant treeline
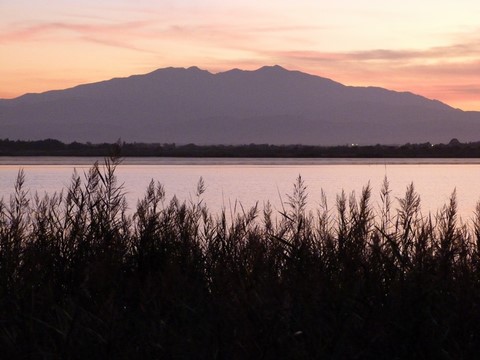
50 147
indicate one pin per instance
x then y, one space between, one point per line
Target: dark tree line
50 147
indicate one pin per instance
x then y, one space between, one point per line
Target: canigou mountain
268 105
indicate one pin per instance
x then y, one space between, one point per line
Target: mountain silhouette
268 105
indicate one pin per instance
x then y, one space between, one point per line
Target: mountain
268 105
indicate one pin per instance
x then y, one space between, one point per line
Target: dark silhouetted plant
83 276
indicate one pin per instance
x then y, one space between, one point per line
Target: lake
247 181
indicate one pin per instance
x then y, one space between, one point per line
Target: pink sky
431 48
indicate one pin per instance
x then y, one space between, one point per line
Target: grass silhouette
81 277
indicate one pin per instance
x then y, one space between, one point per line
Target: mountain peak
272 68
171 69
196 69
267 69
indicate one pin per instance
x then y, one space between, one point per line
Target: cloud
106 34
471 49
443 52
115 43
473 89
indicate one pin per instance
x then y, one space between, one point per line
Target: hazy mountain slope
269 105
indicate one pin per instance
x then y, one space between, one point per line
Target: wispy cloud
471 49
113 34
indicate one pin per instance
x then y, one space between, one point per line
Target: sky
429 47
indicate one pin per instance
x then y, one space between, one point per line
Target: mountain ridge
267 105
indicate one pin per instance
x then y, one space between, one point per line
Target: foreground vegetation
49 147
82 277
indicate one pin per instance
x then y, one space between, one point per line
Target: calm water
260 180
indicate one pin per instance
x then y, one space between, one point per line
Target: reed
82 277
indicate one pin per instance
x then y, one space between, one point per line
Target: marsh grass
83 277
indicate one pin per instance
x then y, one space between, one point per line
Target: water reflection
261 180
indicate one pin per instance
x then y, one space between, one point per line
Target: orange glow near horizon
432 48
